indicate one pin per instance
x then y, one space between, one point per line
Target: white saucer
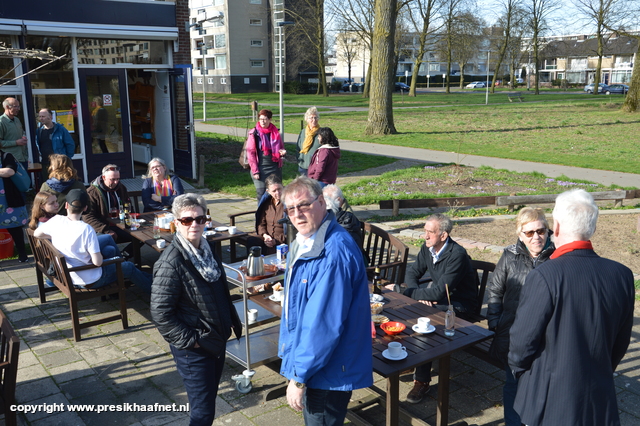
417 329
375 297
209 233
273 299
402 356
221 228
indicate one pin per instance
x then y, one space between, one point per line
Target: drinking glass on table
114 212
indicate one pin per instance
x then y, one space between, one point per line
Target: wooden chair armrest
107 262
233 216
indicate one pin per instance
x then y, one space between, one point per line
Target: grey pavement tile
627 419
149 396
26 358
129 384
102 354
43 347
60 419
280 416
252 404
476 380
47 407
35 389
82 387
31 373
166 418
24 314
71 371
468 402
238 419
92 343
35 321
15 301
104 397
109 369
60 358
128 339
629 403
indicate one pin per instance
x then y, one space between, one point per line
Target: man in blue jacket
325 332
52 138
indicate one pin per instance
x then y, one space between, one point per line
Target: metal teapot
255 263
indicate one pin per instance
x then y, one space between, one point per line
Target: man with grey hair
572 327
448 263
12 139
344 215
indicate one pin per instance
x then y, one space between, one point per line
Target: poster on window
64 117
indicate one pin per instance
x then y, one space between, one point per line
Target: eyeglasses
540 232
159 166
302 207
112 169
187 221
13 106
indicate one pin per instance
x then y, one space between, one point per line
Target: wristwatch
299 385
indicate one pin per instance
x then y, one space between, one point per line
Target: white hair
333 196
577 213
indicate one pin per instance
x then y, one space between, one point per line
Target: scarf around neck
164 188
309 134
201 258
575 245
270 142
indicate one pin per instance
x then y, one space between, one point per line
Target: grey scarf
201 258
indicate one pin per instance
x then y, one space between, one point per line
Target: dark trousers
423 372
17 235
325 407
201 373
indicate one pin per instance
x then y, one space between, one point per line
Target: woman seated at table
270 211
159 189
533 247
191 306
63 177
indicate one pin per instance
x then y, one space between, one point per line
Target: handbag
244 156
20 178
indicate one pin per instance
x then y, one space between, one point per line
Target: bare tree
309 18
451 11
515 53
507 22
9 52
380 121
468 41
348 47
538 12
421 14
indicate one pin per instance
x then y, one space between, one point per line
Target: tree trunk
367 81
596 79
380 120
632 101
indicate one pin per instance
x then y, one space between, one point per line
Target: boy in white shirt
78 242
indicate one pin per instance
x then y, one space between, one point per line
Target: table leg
137 258
393 400
442 415
218 246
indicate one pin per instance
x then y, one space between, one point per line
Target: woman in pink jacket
265 151
324 163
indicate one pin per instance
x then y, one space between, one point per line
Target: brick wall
183 55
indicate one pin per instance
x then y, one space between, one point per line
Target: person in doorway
63 177
324 163
13 139
265 151
159 188
52 138
107 192
308 140
573 326
191 306
99 124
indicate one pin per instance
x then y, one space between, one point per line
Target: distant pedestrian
308 140
324 164
265 151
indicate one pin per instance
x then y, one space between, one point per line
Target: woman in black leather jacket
191 306
533 247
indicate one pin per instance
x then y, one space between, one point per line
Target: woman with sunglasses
191 306
533 247
265 151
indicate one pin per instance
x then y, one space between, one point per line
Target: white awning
100 31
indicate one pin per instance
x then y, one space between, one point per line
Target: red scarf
575 245
270 142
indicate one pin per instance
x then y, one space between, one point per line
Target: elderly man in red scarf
265 151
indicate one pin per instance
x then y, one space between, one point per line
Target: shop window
55 74
6 64
127 51
64 112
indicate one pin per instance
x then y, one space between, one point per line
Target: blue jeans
201 373
130 272
108 246
511 418
325 407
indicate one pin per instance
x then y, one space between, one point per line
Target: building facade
122 86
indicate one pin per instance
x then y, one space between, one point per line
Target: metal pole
488 60
204 79
281 86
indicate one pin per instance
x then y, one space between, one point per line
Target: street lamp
281 24
486 102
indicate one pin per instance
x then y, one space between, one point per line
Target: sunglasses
540 232
113 169
302 207
187 221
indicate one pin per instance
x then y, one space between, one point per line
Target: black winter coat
183 304
504 293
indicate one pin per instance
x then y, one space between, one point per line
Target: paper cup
232 230
161 243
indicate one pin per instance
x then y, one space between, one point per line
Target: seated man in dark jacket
448 263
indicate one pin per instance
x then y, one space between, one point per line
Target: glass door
182 119
105 114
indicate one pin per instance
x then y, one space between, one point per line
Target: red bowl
393 327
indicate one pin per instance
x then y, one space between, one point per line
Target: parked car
476 85
617 88
601 88
519 80
398 86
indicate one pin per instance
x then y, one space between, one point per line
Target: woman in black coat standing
191 306
533 247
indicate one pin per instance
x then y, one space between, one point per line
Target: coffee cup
424 323
232 230
161 243
395 349
253 315
278 294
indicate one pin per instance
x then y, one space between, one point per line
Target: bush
298 88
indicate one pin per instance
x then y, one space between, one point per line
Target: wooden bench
518 97
45 254
136 201
384 251
9 350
